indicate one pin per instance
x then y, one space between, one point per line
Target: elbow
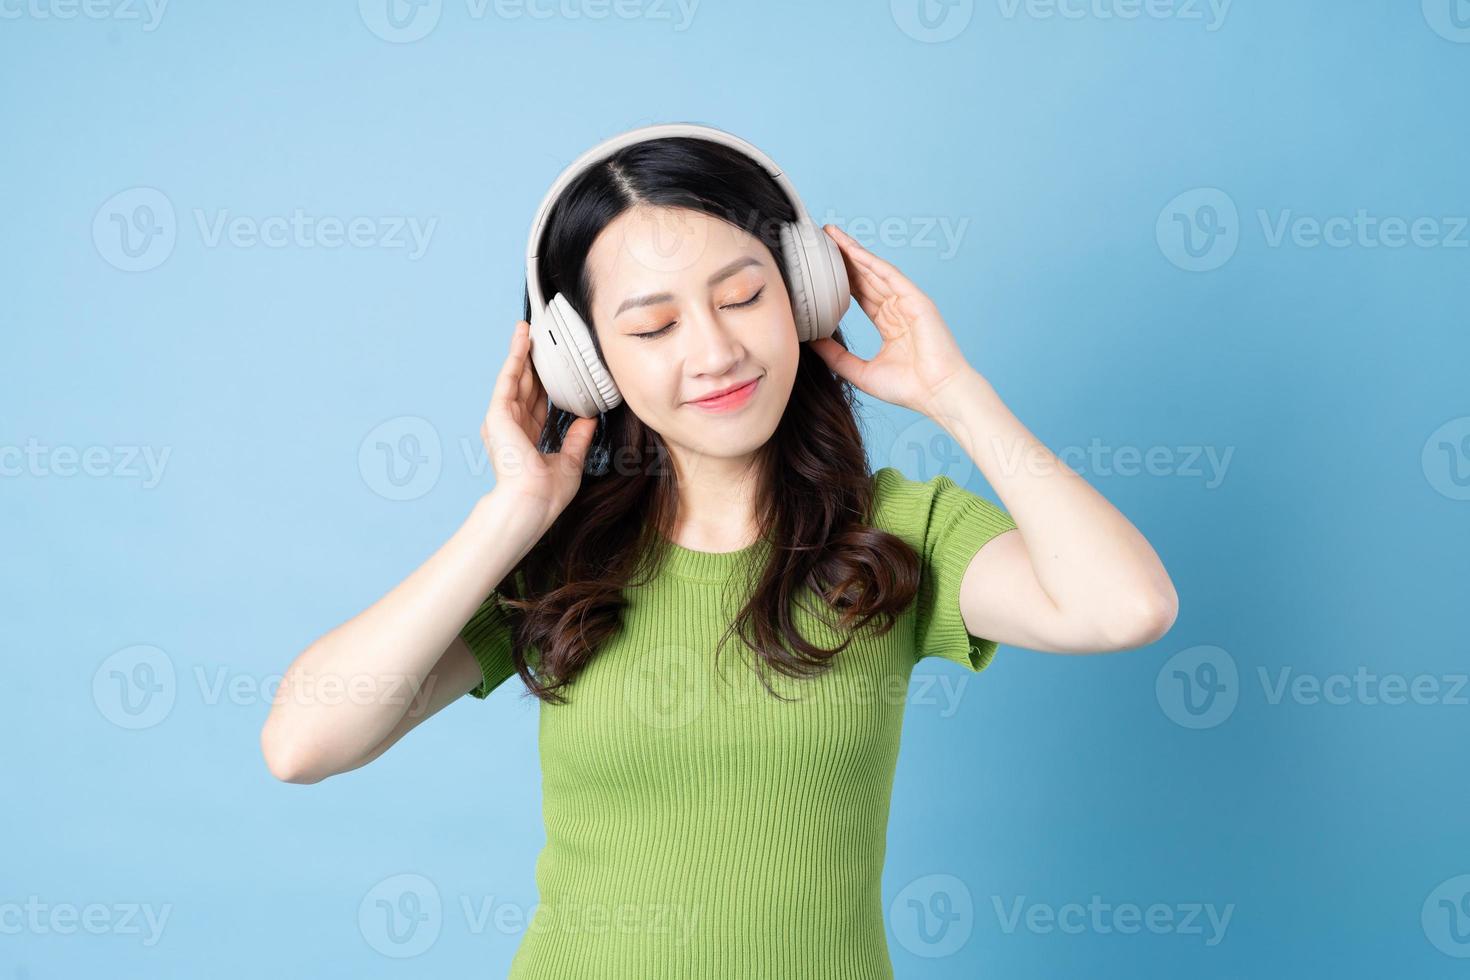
286 761
1143 620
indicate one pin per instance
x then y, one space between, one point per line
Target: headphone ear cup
818 278
560 358
803 306
596 380
841 287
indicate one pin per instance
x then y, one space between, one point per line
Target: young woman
708 815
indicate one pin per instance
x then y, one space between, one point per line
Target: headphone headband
611 146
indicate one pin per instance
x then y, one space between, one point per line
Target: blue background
1334 539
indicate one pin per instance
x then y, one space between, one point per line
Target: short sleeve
948 525
488 635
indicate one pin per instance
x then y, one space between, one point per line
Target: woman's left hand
919 355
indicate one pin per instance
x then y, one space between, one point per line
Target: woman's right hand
546 482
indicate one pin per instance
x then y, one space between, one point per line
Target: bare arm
358 688
1075 576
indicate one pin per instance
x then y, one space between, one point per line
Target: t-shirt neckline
709 566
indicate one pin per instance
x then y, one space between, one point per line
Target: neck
716 510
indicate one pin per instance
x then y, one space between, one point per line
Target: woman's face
685 305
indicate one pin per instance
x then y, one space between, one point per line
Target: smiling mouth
730 399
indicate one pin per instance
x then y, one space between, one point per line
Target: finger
528 378
843 362
864 282
885 275
578 439
538 413
865 285
866 300
507 385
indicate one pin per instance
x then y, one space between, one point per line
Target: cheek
646 381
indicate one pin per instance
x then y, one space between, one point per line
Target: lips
724 391
731 402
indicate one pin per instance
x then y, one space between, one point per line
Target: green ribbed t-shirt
698 828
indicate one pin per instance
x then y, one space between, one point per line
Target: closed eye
669 326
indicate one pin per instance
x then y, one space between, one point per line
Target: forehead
646 249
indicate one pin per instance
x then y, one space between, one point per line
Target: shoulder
921 511
902 504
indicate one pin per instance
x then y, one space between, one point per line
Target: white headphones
562 350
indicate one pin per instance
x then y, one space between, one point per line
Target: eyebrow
718 277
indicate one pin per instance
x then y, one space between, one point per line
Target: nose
713 347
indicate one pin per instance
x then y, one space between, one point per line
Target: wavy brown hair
813 487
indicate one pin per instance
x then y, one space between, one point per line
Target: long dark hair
813 488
